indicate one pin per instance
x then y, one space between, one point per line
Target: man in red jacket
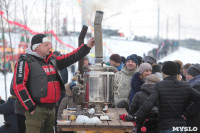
37 82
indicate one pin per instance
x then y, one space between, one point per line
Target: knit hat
156 68
194 70
116 58
133 57
152 79
170 68
149 59
37 40
144 66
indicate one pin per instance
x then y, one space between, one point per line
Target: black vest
37 78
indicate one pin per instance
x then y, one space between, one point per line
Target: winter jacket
64 75
40 83
136 83
19 109
10 118
140 97
173 97
194 119
122 84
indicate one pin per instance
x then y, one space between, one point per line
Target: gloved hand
130 118
123 117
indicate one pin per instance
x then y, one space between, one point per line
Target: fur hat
37 40
116 58
144 66
152 79
133 57
170 68
194 70
180 65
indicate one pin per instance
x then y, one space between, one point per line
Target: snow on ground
123 48
126 48
185 55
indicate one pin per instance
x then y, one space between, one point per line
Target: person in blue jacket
10 118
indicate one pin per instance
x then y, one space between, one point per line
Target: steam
109 7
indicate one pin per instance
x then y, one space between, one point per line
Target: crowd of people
164 48
156 95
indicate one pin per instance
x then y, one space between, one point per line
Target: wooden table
115 125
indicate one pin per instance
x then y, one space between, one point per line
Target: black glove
130 118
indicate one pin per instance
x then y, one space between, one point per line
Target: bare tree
7 4
45 15
24 11
57 21
4 46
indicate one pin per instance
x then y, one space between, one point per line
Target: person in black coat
173 97
146 90
193 77
138 79
138 100
7 109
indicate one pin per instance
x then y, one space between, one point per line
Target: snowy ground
124 48
185 55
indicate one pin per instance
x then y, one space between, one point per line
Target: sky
131 17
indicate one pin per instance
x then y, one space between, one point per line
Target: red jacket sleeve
19 85
66 60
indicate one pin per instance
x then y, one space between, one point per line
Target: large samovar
97 88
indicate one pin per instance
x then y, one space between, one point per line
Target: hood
29 51
195 81
147 88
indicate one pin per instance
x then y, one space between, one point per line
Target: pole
80 42
98 37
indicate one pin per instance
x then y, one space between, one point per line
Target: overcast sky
137 17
